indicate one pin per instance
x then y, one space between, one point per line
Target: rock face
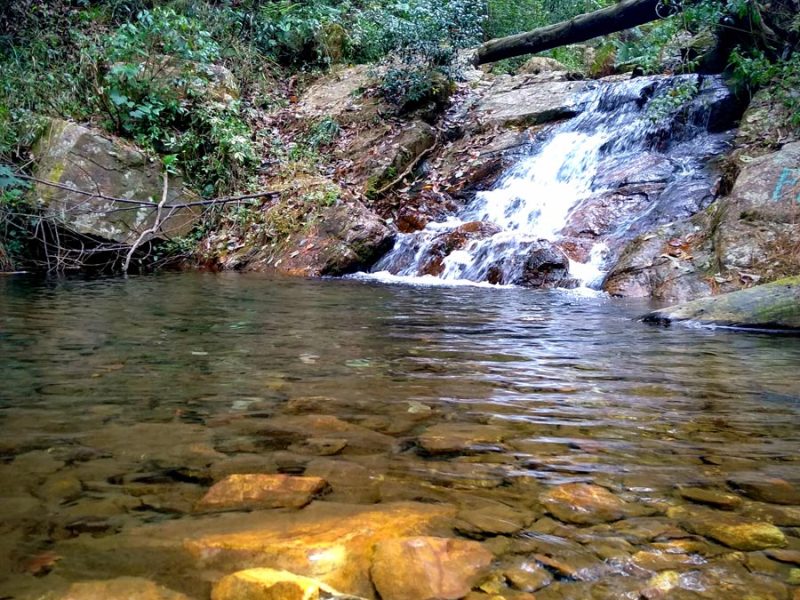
85 159
745 237
583 504
428 568
771 306
121 588
247 492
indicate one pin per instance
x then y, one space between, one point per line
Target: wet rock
60 488
121 588
528 100
461 438
329 542
248 492
583 504
294 429
771 306
242 464
545 265
269 584
765 488
527 575
782 516
428 568
785 556
457 239
495 519
319 446
715 498
90 160
349 482
729 529
462 475
661 561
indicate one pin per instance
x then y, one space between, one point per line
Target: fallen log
621 16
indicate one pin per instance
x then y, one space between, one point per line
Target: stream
122 400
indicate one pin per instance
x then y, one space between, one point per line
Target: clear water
579 389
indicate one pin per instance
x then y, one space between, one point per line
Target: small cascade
557 217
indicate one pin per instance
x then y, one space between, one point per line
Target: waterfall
527 230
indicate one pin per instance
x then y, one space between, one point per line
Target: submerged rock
121 588
92 161
764 488
247 492
771 306
730 529
461 438
428 568
716 498
271 584
584 504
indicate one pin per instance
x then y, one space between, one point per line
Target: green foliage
646 47
159 88
671 100
752 70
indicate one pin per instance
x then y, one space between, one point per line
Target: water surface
579 390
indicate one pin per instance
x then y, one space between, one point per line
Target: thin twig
152 230
213 201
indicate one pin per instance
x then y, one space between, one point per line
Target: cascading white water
524 215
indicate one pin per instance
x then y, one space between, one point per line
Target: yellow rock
266 584
330 542
428 568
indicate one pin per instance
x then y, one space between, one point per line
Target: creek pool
122 400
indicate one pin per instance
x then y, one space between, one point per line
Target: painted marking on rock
790 179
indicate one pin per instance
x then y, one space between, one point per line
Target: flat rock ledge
772 306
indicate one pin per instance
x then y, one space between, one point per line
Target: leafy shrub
158 89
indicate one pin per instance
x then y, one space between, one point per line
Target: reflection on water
123 400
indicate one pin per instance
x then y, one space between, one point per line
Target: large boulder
771 306
78 157
339 240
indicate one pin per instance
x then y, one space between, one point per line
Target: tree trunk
624 15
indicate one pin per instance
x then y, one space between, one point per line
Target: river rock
428 568
345 238
583 504
495 519
121 588
527 575
248 492
89 160
771 306
461 438
268 584
765 488
450 241
715 498
782 516
729 529
349 482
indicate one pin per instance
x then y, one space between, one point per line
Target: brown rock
715 498
428 568
493 520
121 588
786 556
766 489
247 492
527 576
460 438
583 503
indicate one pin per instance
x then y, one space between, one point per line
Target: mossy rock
773 306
